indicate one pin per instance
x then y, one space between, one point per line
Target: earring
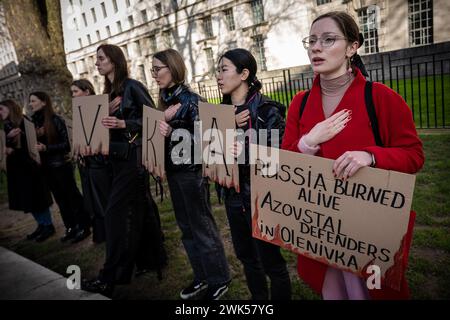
349 65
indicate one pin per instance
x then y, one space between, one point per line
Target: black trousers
133 233
258 257
96 178
61 181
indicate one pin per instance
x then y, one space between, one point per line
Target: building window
420 17
115 6
125 51
84 19
144 16
94 16
167 38
131 21
158 8
128 3
232 45
119 27
89 39
152 41
104 10
320 2
98 35
259 52
229 18
207 27
209 59
258 11
80 42
367 21
75 22
137 46
141 74
108 31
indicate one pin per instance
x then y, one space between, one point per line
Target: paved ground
23 279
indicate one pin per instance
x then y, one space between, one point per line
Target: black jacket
264 114
134 96
185 117
58 152
27 188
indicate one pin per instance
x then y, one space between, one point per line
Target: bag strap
302 106
370 107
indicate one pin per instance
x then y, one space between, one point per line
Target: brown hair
350 29
117 58
15 112
174 61
49 127
84 85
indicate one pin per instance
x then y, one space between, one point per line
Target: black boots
46 233
70 234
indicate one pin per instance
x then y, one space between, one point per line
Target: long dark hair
47 109
243 59
15 112
350 29
117 58
84 85
174 61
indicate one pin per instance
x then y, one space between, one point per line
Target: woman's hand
114 105
171 111
350 162
165 128
242 118
328 129
113 123
41 147
236 149
13 133
9 151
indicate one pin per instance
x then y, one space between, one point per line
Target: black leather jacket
134 96
58 152
185 117
264 114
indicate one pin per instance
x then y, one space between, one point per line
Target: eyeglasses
325 41
156 69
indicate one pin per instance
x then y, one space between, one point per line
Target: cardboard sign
348 225
215 120
30 132
153 142
89 135
2 151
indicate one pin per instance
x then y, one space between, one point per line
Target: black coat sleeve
138 97
63 144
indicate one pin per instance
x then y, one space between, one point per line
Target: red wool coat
402 151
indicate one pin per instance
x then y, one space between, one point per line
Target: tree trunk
35 29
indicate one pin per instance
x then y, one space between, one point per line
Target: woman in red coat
335 124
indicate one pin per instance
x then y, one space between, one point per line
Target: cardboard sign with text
215 120
348 225
30 132
153 142
89 135
2 151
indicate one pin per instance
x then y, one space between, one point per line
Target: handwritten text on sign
348 225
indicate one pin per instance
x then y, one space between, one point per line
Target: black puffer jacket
185 117
58 152
134 96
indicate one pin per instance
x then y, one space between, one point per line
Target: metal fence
422 80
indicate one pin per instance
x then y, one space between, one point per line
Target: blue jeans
200 236
259 258
43 218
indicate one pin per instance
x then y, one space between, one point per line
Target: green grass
427 114
429 264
